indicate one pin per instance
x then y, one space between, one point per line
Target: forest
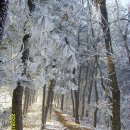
64 65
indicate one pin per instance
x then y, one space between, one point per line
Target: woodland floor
33 118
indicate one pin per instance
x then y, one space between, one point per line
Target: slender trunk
83 101
76 95
96 98
3 16
84 91
43 107
30 97
91 85
95 117
116 123
49 98
51 101
34 96
26 100
62 102
57 100
73 106
17 107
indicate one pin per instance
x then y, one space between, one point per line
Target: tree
3 16
49 100
116 123
18 91
17 107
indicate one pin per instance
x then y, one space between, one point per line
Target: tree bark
76 95
116 123
18 92
17 107
3 16
96 99
43 107
84 91
91 84
26 101
49 101
73 106
62 102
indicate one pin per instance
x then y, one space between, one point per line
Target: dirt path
33 120
68 122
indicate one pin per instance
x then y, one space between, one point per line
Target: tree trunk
26 101
73 106
43 107
84 91
49 100
3 16
76 95
34 96
116 123
96 98
91 85
18 92
62 102
30 97
17 107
